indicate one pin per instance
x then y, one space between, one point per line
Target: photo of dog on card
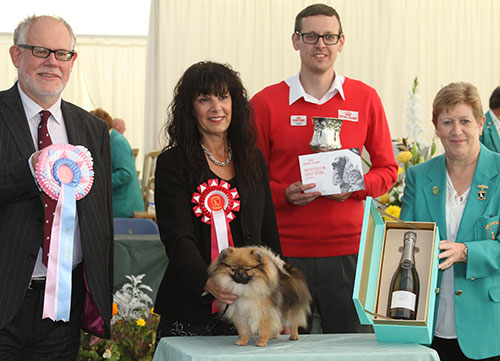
271 293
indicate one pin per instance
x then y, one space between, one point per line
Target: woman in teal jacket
460 192
127 194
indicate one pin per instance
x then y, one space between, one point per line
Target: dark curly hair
181 129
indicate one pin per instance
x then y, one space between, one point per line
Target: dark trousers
331 282
29 338
449 350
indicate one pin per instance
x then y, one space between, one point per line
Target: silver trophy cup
326 134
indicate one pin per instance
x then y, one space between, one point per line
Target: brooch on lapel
481 193
435 190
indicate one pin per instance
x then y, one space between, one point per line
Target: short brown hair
316 9
495 99
104 115
454 94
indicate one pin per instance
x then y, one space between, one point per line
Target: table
144 214
319 347
137 254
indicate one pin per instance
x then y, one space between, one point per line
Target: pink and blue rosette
65 173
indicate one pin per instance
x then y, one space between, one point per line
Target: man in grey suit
44 56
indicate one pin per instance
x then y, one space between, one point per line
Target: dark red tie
48 203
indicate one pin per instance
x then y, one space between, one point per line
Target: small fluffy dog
271 293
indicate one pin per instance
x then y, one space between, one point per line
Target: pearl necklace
215 161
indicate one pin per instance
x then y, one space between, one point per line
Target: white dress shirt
297 90
445 321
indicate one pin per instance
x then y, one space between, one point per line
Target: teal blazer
127 194
477 306
490 136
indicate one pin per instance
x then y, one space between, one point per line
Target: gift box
380 252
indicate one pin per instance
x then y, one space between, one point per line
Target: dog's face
244 271
241 264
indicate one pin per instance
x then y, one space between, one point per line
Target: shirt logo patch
348 115
298 120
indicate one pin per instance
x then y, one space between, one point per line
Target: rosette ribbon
64 172
215 203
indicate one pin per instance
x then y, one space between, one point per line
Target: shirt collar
31 108
494 117
297 90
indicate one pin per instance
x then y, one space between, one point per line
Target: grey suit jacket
21 210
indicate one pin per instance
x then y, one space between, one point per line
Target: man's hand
339 197
34 158
295 194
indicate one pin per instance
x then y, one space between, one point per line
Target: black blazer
179 296
21 207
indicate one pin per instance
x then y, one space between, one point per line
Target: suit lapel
14 117
484 175
435 193
74 126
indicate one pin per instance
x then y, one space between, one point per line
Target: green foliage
129 342
133 327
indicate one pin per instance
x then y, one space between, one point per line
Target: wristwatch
466 252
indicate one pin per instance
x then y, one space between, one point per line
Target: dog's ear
258 255
224 253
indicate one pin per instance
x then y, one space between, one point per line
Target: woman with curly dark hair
211 191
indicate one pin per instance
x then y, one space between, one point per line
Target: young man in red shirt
320 234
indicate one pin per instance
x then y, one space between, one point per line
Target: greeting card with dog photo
334 172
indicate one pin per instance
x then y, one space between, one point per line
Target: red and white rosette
65 173
215 203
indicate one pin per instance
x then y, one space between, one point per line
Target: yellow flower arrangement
404 157
412 150
384 198
394 211
133 327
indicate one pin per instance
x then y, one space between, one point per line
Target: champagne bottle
403 293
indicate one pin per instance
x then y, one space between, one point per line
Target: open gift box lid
368 281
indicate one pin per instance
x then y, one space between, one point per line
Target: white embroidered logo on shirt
298 120
348 115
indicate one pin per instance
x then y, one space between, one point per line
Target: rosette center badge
215 203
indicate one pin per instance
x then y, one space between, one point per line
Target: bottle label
403 299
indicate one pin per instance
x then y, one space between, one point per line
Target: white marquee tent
388 44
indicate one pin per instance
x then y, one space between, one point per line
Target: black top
187 238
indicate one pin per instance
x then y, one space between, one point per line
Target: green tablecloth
338 347
138 254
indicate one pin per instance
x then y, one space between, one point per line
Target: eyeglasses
41 52
312 38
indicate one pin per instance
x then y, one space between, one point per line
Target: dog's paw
261 343
241 342
294 337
